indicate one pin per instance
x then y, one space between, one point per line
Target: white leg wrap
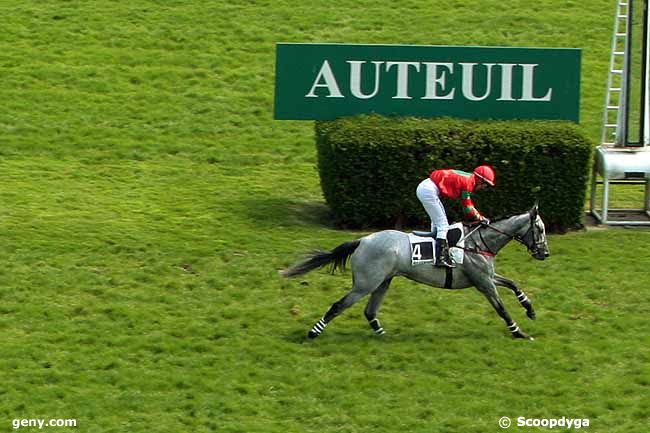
513 328
374 324
319 326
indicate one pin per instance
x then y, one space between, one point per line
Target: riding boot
442 254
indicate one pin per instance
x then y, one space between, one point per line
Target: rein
488 252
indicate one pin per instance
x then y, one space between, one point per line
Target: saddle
423 245
454 234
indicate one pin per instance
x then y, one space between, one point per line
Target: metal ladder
613 133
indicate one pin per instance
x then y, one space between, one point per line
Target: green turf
149 200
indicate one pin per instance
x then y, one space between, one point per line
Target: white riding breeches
428 193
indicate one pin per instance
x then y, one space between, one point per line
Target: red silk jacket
454 184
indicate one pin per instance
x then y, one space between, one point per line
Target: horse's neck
502 232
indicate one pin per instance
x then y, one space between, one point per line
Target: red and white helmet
486 173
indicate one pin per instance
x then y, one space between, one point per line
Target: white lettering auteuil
432 79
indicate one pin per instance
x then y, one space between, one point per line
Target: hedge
370 166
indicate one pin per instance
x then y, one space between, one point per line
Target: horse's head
535 236
526 228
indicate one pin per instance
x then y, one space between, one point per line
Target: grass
149 200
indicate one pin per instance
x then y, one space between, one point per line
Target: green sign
326 81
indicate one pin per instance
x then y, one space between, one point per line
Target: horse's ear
535 210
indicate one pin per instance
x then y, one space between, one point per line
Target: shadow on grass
348 337
299 336
275 212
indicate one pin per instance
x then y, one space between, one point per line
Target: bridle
531 239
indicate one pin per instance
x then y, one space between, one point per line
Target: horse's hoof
521 335
531 315
311 335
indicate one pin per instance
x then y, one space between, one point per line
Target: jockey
452 184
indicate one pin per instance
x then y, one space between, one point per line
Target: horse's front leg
490 292
500 280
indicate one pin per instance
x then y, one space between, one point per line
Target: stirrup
442 254
443 263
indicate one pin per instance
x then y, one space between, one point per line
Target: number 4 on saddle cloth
423 245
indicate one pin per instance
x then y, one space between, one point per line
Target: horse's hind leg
374 303
521 296
371 269
336 309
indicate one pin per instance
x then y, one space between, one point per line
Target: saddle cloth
423 245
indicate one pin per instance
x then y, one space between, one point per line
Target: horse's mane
505 217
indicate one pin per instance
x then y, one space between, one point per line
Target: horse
379 257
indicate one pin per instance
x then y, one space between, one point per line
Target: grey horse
379 257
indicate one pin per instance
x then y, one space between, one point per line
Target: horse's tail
338 257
